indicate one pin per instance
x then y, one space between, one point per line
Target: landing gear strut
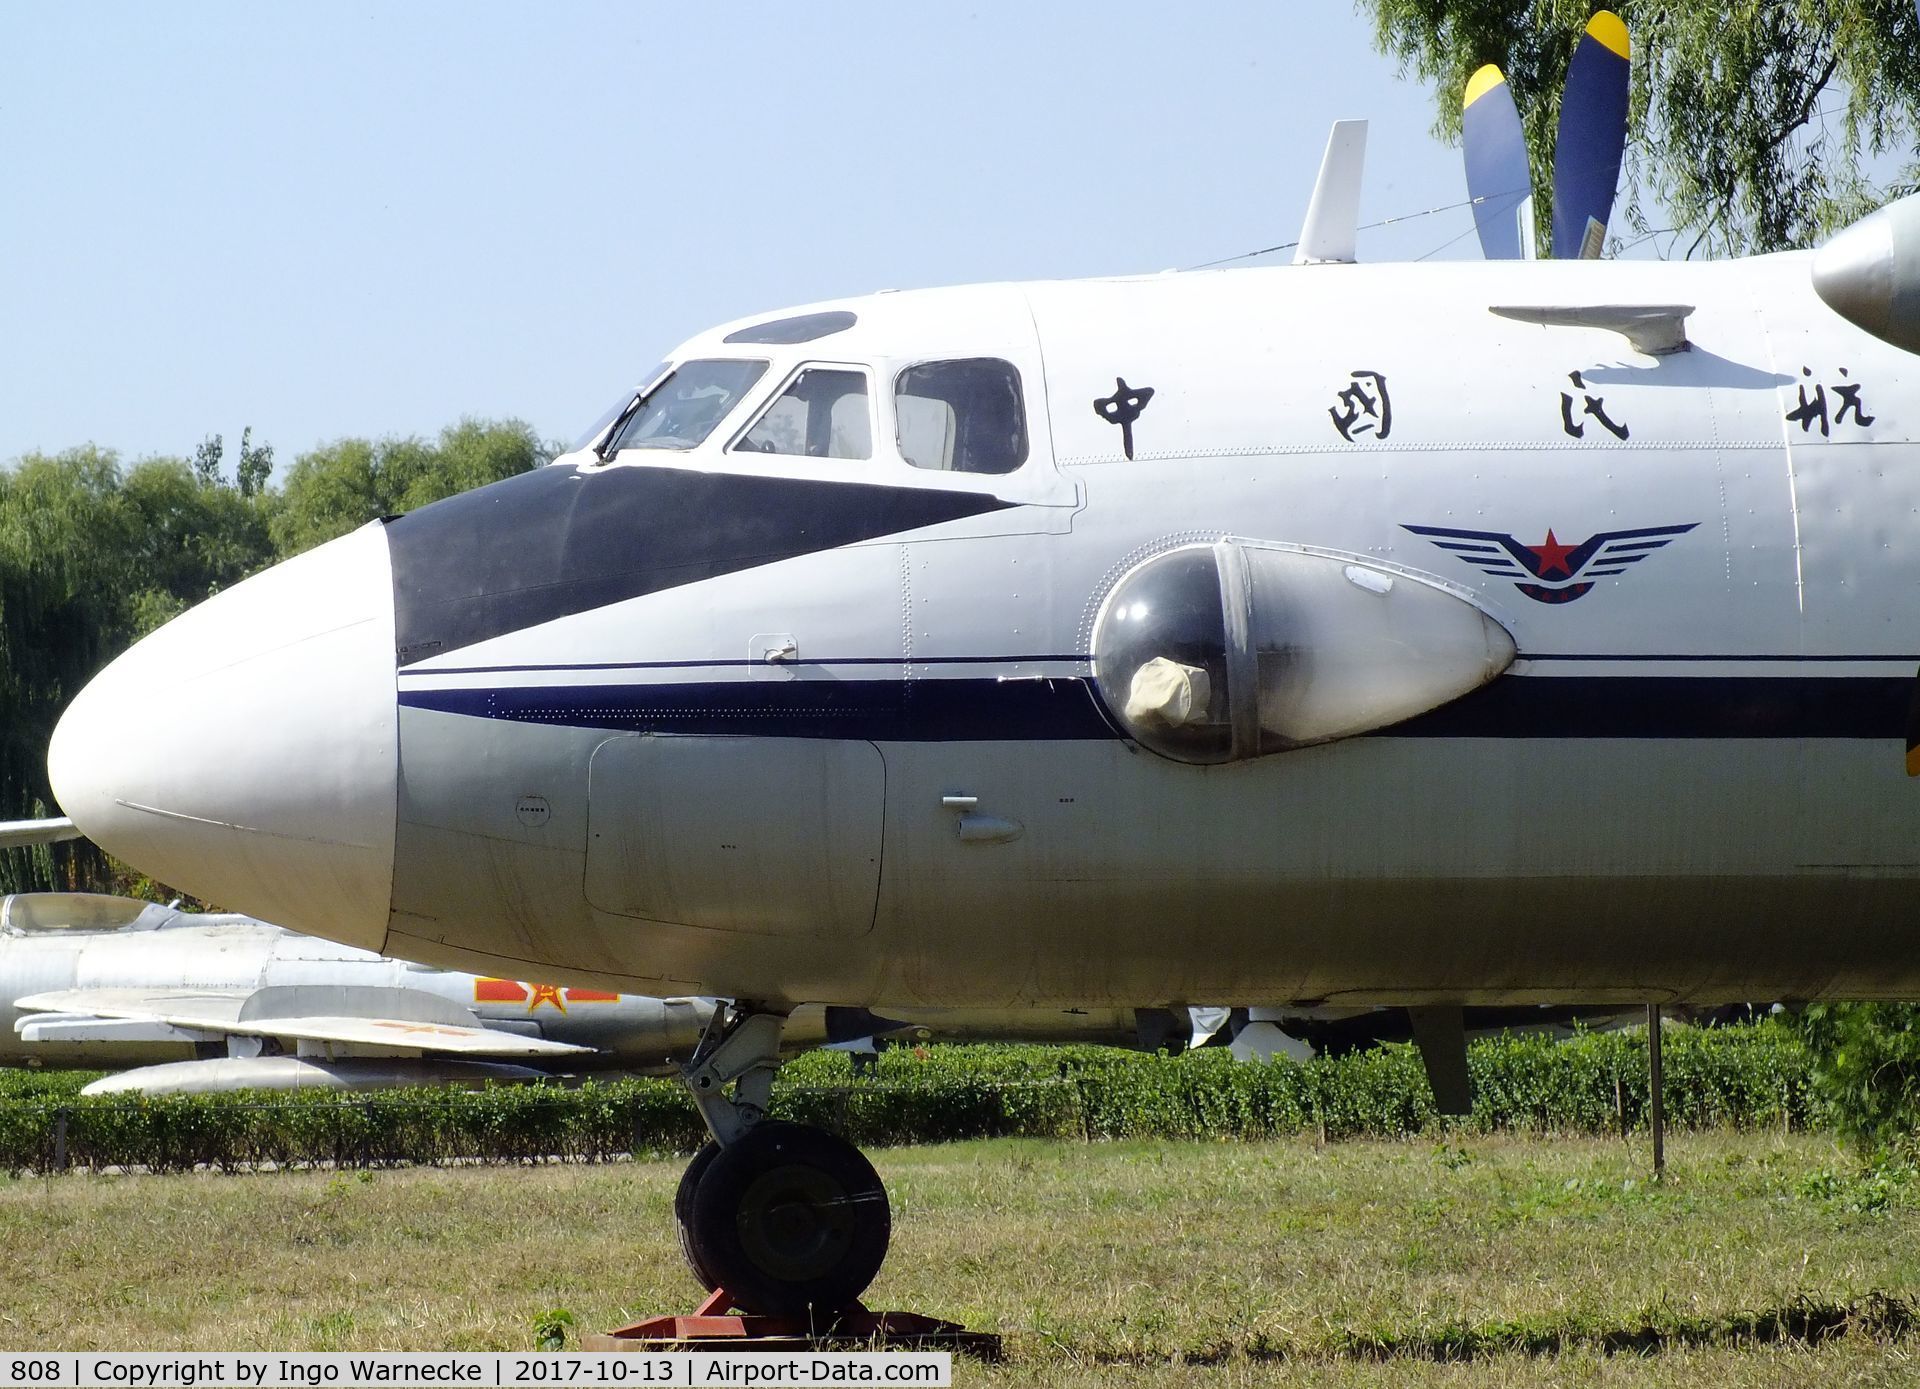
787 1218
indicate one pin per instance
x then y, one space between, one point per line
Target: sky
375 220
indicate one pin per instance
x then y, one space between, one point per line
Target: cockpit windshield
620 407
682 410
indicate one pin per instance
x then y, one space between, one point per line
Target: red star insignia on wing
1552 556
1605 555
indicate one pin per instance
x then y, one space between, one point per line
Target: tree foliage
67 534
1751 124
352 481
95 554
1866 1071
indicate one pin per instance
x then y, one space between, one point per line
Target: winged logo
1553 571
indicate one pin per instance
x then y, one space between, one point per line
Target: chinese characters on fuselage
1363 406
1812 409
1123 407
1595 406
1362 409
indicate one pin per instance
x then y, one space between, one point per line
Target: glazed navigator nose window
1160 656
962 416
1242 648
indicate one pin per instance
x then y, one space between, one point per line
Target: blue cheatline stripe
976 710
1702 658
916 711
1673 706
742 663
1026 659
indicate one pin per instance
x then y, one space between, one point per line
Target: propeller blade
1498 179
1593 134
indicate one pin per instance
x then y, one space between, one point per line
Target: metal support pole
1657 1092
60 1140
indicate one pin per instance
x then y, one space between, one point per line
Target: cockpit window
619 408
962 416
599 426
823 414
682 410
806 327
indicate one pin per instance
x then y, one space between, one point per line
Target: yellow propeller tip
1606 26
1483 82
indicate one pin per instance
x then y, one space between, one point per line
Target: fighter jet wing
265 1013
15 834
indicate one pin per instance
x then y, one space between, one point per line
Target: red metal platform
714 1326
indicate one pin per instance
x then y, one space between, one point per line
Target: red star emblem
546 993
1552 555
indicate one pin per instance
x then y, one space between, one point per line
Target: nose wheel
683 1213
787 1218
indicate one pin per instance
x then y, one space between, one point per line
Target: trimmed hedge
1594 1083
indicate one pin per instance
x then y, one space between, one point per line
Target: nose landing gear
788 1219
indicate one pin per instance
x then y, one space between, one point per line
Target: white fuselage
873 764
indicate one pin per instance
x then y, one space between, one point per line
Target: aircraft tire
791 1220
683 1211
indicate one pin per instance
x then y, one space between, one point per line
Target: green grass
1763 1259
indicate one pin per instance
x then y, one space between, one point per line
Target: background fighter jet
203 1002
220 1001
215 1002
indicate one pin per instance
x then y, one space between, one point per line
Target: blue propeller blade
1593 133
1498 179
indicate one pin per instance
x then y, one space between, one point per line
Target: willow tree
1755 125
347 483
67 537
93 555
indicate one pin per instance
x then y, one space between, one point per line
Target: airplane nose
247 752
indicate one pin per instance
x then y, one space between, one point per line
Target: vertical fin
1333 214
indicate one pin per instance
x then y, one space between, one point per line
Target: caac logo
533 995
1553 571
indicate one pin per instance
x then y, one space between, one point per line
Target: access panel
775 836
